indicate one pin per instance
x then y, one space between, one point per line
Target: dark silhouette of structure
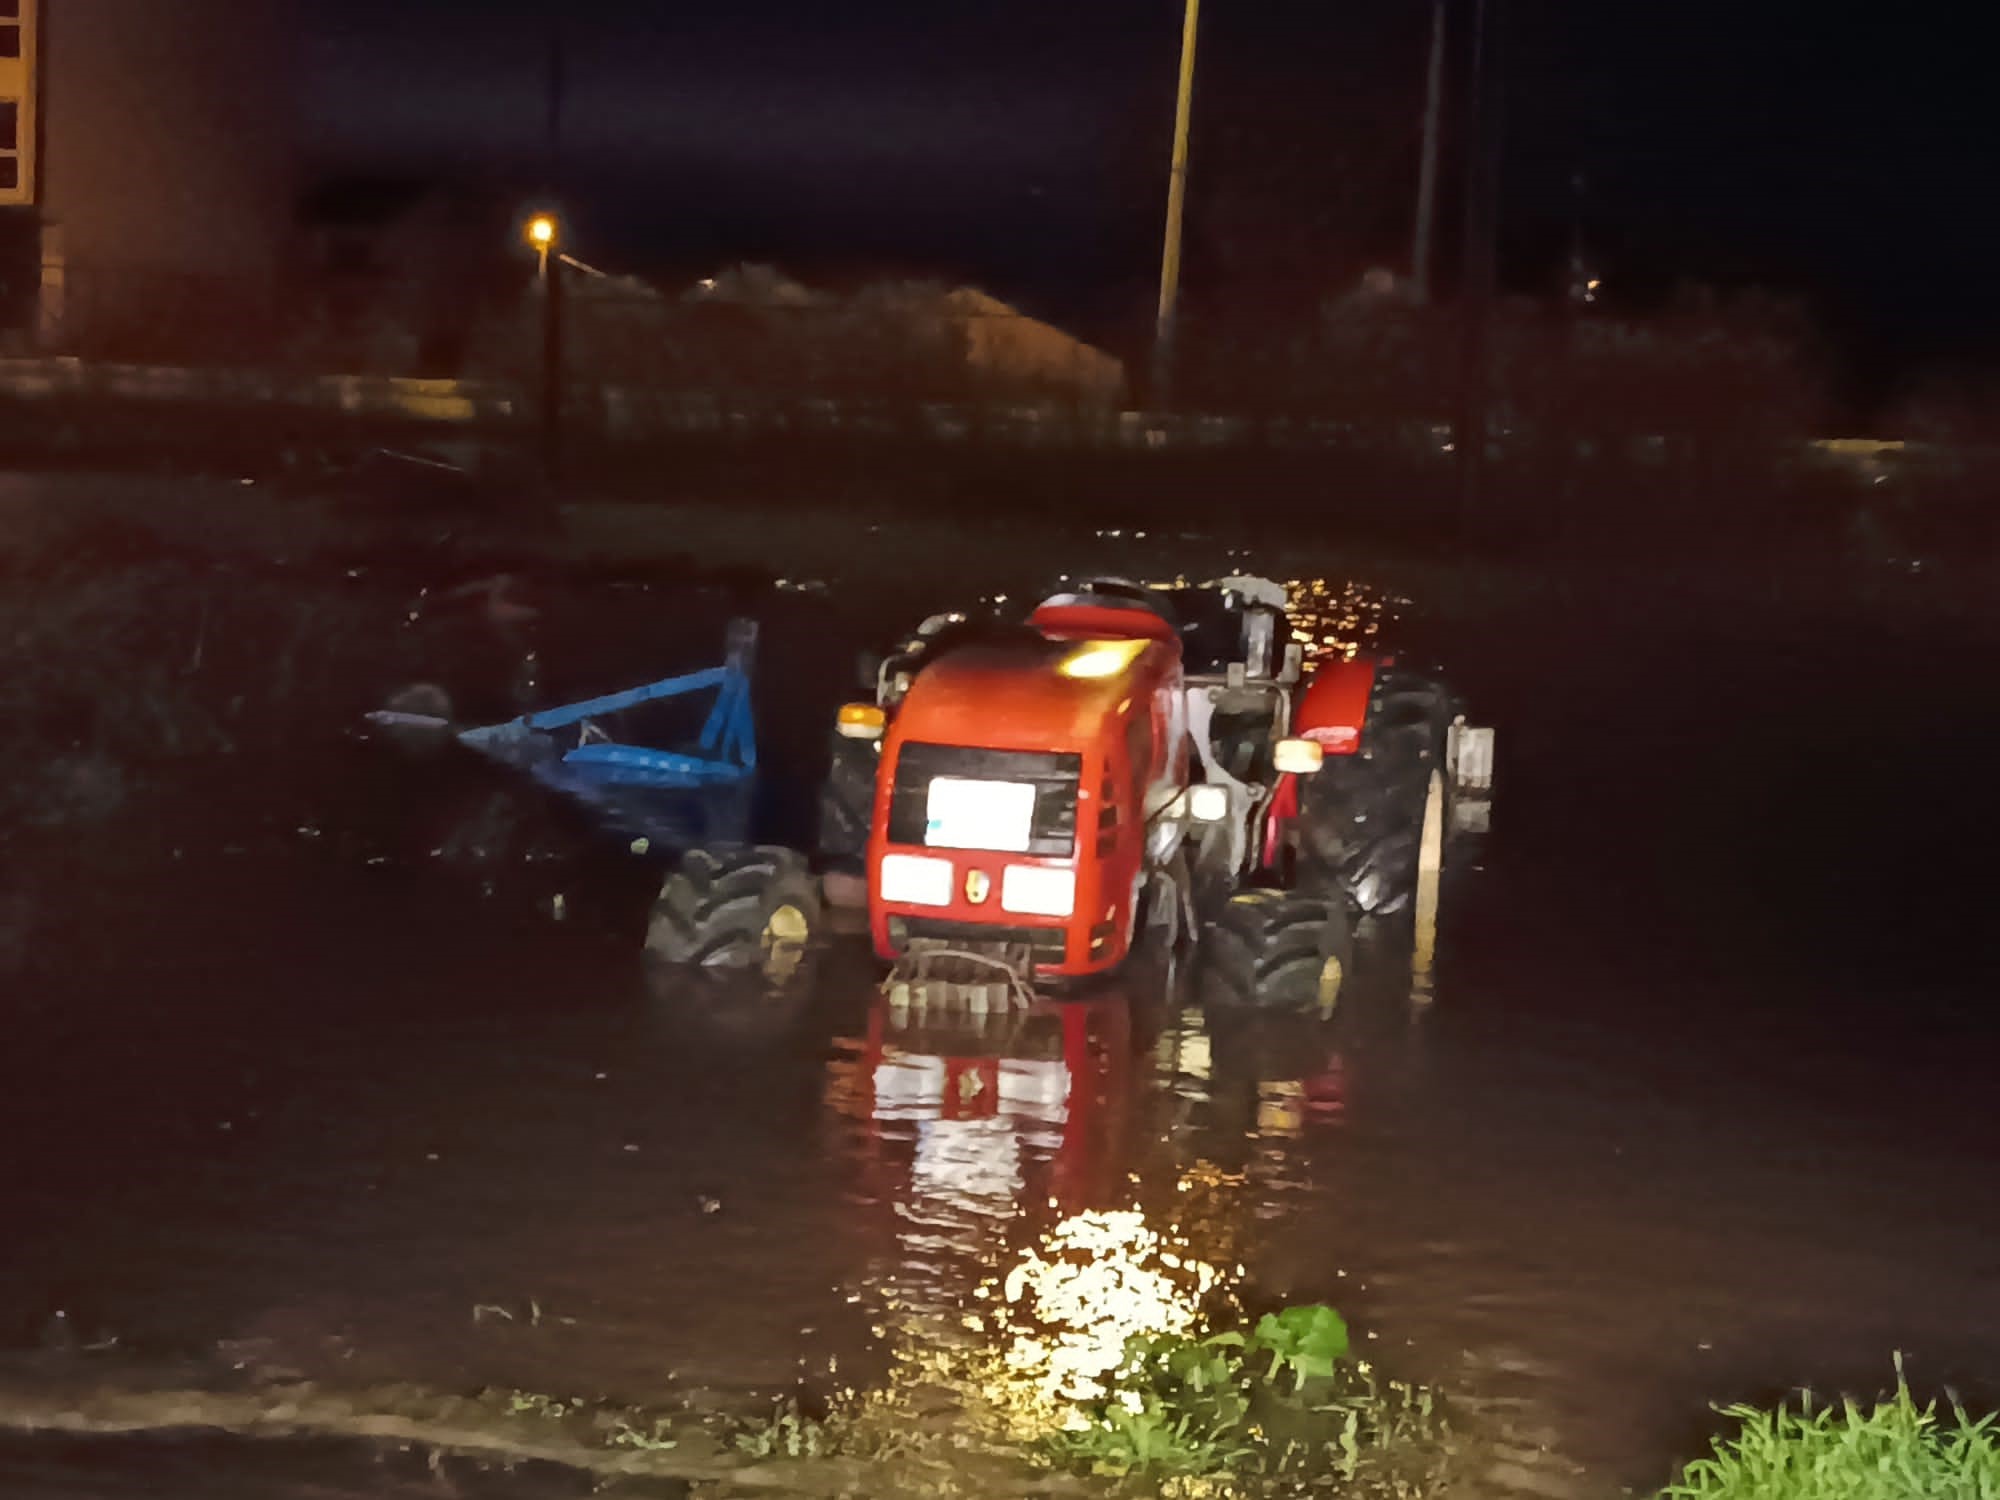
158 172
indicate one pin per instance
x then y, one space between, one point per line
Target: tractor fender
1334 704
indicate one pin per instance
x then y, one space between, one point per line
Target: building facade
148 170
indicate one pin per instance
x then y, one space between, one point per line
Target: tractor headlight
915 880
1035 891
1298 757
861 721
1208 804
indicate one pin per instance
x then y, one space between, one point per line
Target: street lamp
545 234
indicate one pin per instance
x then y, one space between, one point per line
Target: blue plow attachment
672 799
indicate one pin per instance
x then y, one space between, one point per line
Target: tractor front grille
1054 775
1046 944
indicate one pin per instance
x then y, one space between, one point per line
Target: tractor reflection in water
1062 1179
980 1132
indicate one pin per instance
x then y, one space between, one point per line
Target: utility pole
1476 272
552 269
1427 172
1170 255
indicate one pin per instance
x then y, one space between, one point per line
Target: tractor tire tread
1361 816
1267 950
715 908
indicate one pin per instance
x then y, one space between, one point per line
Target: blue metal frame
622 784
728 743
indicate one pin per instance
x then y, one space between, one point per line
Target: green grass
1280 1409
791 1433
1893 1450
596 1422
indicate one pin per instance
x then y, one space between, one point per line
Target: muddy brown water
1693 1107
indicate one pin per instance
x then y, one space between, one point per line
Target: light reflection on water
1053 1190
1330 617
1341 616
1094 1281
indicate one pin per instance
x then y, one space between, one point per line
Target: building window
17 100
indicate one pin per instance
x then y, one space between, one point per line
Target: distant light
542 231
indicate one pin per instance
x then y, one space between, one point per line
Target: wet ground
1693 1106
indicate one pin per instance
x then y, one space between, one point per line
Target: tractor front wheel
1280 950
736 909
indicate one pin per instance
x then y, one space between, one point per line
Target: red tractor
1038 794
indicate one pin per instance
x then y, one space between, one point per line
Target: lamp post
1427 171
1170 254
545 234
1476 272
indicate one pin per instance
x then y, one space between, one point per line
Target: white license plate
964 814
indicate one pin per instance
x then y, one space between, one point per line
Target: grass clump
595 1423
1177 1406
791 1432
1893 1450
852 1425
1280 1409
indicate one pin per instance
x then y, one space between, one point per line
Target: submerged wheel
749 908
1369 821
482 833
1280 950
847 804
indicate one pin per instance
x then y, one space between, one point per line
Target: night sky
1840 153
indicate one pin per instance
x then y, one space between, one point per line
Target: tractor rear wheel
736 909
1280 950
847 805
1364 818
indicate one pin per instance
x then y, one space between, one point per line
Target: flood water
1693 1107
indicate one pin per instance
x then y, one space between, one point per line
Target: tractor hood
1030 691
